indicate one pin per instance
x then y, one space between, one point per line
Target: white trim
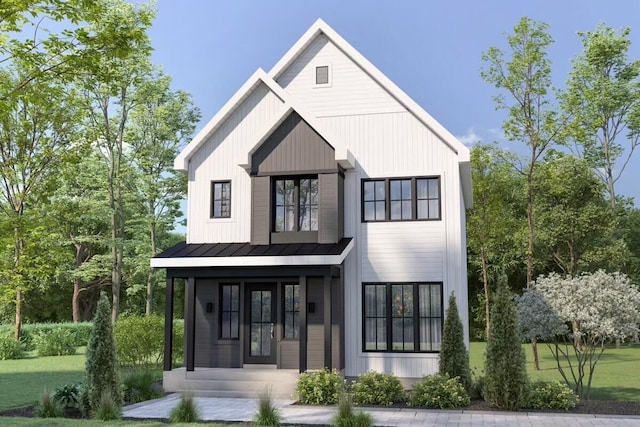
252 261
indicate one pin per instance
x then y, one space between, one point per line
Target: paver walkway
217 409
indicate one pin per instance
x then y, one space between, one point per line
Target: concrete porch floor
243 410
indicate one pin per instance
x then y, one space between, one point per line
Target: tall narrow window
402 317
400 198
374 200
428 198
220 199
296 204
291 310
229 311
375 317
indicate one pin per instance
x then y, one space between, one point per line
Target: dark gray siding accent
289 355
260 210
340 207
328 209
294 147
315 324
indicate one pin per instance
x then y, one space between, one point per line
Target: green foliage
438 391
506 381
320 387
58 342
454 358
346 417
79 331
68 396
102 377
9 347
107 408
48 407
268 415
551 395
186 411
377 388
140 340
141 385
477 386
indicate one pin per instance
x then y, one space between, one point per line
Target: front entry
260 321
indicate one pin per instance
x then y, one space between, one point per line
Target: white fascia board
252 261
321 27
181 162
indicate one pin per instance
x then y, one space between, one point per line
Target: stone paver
218 409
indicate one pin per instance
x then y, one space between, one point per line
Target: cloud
470 138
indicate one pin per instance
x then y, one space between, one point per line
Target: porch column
327 320
190 323
168 325
303 324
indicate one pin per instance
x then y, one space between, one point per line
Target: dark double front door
260 321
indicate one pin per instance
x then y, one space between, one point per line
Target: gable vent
322 75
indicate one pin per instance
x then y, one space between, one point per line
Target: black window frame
388 317
388 201
295 312
222 311
296 203
212 212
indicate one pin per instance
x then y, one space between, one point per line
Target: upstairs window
296 204
221 199
322 75
401 199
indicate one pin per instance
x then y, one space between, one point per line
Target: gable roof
343 156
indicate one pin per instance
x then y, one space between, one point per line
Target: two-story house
326 223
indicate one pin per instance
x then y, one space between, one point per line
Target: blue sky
430 49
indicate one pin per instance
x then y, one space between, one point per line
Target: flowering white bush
598 308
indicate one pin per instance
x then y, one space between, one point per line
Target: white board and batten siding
386 141
231 142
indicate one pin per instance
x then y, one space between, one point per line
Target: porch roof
244 254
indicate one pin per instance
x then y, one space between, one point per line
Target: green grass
24 380
615 377
63 422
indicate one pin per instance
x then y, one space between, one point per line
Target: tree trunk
75 301
485 282
19 247
151 276
530 227
536 360
18 313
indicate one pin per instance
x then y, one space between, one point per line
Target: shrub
141 385
57 342
551 395
320 387
454 358
345 417
268 415
80 332
186 411
140 340
438 391
68 396
107 408
47 407
506 381
477 386
376 388
101 373
10 348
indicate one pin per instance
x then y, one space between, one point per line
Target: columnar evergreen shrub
506 381
438 391
454 358
320 388
101 372
377 388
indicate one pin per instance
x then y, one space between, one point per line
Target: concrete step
239 394
273 375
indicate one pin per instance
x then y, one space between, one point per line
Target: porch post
327 320
168 325
303 324
190 316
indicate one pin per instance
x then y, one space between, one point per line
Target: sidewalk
243 410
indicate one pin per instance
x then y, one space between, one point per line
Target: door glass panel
261 323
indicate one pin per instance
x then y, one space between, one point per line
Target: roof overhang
327 258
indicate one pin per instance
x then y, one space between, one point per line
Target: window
221 199
291 311
322 75
402 317
229 311
401 199
296 204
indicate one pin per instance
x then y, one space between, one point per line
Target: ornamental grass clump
48 407
454 358
346 417
377 388
268 415
107 408
186 411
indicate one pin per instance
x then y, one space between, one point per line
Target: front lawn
616 376
23 380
